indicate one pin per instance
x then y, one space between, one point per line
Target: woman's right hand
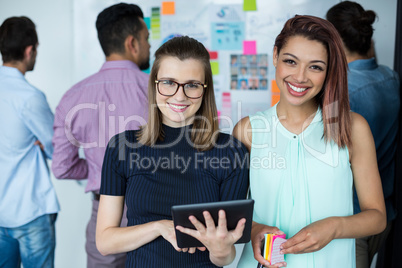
258 232
167 231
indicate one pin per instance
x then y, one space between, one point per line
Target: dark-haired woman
317 149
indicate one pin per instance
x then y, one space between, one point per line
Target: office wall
60 55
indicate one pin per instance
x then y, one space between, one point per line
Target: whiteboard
208 22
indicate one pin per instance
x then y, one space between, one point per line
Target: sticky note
250 5
155 23
274 87
275 99
215 67
272 249
147 21
276 256
168 8
227 35
226 100
249 47
213 55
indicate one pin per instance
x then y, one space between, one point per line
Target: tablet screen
235 210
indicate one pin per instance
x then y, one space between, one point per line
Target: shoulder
360 132
34 97
143 76
122 145
388 70
243 124
230 144
27 90
243 132
80 86
70 95
358 123
73 96
124 138
225 138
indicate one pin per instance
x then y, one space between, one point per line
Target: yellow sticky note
168 8
215 67
249 5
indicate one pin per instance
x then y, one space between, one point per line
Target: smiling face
301 68
178 110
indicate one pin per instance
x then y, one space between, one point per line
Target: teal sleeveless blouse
296 180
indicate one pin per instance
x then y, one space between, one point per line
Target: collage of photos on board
249 72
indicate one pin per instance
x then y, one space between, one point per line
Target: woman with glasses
178 157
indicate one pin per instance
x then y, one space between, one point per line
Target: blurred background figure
28 202
373 93
118 90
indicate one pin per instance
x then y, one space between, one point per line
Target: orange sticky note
275 99
168 8
274 87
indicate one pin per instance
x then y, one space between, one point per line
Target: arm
38 117
366 177
243 132
371 220
217 239
112 239
66 162
234 186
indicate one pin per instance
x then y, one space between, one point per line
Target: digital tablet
235 210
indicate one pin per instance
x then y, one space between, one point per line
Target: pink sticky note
276 256
249 47
226 100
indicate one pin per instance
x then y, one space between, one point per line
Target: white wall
53 74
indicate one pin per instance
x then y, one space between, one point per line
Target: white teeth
178 107
297 89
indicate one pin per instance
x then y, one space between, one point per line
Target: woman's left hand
217 239
311 238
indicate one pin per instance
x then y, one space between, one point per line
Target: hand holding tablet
231 220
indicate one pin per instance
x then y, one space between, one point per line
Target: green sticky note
250 5
215 67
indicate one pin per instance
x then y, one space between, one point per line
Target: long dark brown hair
205 126
333 98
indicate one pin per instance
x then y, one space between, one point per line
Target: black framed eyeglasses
192 90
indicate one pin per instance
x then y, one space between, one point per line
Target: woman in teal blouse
307 152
